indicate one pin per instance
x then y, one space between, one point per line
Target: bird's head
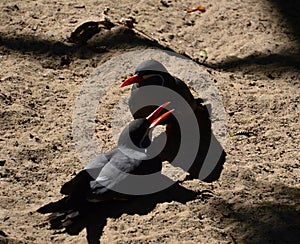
150 72
136 134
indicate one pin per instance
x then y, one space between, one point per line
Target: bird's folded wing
183 89
96 165
91 171
113 173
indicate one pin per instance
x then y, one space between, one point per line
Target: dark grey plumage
152 72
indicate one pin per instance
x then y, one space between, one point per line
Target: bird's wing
185 92
95 166
90 172
112 174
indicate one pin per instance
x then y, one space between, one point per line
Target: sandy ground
253 60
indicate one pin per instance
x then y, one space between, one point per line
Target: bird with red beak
152 72
100 178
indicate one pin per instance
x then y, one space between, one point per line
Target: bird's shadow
93 216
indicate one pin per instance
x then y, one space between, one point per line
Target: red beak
131 80
153 117
160 119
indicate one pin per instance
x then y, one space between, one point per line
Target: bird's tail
80 183
58 206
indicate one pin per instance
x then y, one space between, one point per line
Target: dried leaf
128 22
87 30
198 8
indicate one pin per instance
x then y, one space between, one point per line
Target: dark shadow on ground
93 216
55 54
290 10
268 62
124 39
117 38
288 58
264 222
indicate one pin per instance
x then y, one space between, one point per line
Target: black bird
152 72
104 175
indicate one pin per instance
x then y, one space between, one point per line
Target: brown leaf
198 8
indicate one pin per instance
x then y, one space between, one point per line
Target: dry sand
253 60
